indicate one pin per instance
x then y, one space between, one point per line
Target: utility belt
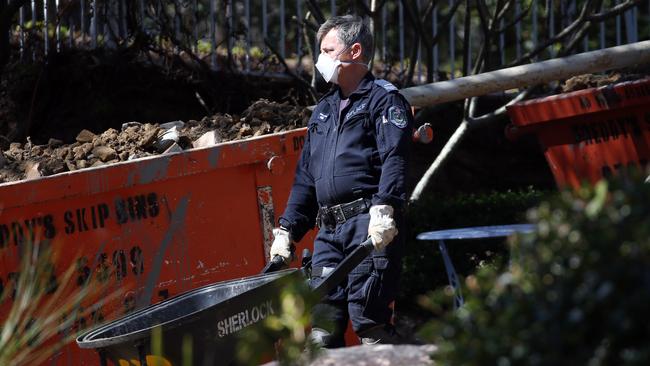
338 214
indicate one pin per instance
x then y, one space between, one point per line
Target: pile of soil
136 140
587 81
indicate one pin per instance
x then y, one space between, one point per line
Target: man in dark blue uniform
350 182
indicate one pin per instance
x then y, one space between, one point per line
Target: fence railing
416 40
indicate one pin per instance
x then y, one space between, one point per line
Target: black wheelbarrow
212 316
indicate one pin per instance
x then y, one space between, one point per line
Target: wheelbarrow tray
213 316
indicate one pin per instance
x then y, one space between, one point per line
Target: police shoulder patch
397 116
385 84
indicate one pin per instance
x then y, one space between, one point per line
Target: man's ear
356 51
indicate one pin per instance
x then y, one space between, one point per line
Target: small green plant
33 329
575 293
238 50
256 53
285 331
203 46
33 25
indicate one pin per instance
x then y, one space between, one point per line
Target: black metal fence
416 40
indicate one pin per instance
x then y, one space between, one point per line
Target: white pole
530 74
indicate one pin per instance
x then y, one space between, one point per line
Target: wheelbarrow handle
275 264
347 264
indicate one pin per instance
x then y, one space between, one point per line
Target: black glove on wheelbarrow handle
338 274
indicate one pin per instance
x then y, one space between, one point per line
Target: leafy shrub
42 309
576 292
285 331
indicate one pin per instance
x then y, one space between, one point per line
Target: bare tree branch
516 20
573 42
483 60
489 118
504 10
558 37
484 14
428 40
616 10
315 10
303 82
7 11
468 124
417 25
440 160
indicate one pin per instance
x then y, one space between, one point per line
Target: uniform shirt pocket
356 148
317 143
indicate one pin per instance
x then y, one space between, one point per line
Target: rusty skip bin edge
150 169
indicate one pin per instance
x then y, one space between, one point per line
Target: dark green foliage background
423 268
576 293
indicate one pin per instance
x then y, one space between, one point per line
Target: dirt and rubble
587 81
135 140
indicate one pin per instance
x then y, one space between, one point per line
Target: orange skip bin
156 226
589 134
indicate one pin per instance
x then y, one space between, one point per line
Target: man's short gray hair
350 29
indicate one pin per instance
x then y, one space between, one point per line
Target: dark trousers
370 288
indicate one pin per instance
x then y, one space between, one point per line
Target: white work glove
382 227
281 244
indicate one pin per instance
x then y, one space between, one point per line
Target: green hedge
575 293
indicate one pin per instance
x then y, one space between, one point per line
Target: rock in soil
209 138
85 136
104 153
32 170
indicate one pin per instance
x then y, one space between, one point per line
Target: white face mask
330 68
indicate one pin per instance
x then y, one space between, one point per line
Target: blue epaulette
385 84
